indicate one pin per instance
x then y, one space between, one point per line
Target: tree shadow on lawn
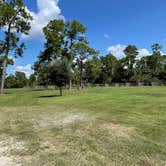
49 96
7 93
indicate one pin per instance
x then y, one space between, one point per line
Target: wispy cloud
106 36
143 52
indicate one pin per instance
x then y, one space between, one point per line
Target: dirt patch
10 148
7 161
59 121
118 130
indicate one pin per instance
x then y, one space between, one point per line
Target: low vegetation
97 126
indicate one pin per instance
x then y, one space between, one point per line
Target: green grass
97 126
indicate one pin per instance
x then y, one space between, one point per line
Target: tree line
105 69
97 70
67 58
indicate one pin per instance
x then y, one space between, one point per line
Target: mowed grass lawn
123 126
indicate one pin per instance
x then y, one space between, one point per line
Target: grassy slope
125 126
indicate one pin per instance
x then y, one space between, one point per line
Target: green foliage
152 68
18 80
14 20
64 40
148 79
10 82
54 33
156 48
68 40
82 52
128 62
9 61
59 73
61 37
41 70
32 80
110 67
93 70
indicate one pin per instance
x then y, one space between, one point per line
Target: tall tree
75 32
82 51
156 58
14 20
54 48
60 39
109 68
131 52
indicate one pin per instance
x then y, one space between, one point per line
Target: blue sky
112 24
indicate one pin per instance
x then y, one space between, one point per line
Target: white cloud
117 50
143 52
163 53
47 10
26 69
106 36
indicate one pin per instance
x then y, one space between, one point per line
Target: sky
111 25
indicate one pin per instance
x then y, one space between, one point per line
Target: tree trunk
3 76
60 89
70 85
81 75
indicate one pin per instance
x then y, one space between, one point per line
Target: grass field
94 127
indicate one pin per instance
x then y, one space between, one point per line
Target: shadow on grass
49 96
7 93
39 89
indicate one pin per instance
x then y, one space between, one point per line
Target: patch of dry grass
118 130
12 151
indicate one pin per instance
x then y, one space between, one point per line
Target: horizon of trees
108 69
85 66
67 45
97 70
